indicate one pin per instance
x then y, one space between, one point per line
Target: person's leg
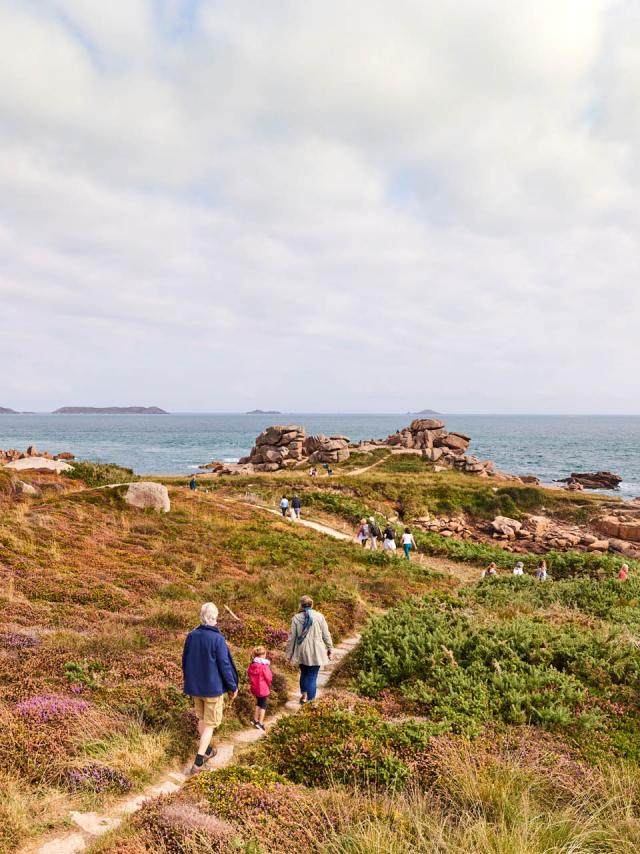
312 680
262 704
407 549
374 544
303 681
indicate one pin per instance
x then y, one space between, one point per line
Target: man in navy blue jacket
209 673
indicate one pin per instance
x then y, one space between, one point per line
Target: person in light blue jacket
209 673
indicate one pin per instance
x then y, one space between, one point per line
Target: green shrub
462 672
99 474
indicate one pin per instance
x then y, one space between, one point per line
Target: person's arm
185 652
326 635
291 642
413 540
226 667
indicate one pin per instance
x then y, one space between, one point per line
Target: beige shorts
209 710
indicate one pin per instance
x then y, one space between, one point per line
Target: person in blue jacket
209 673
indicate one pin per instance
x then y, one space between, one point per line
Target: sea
549 446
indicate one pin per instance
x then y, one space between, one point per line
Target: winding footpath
89 826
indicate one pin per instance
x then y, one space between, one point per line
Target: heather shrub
343 740
99 474
270 814
179 827
95 777
51 707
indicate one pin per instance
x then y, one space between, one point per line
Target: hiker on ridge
389 542
374 533
309 646
209 673
284 505
193 483
362 533
408 543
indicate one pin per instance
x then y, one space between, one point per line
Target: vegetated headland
109 410
474 715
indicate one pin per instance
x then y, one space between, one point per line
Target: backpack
374 530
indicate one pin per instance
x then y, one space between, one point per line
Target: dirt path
465 574
89 826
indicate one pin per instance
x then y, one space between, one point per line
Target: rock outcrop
12 454
38 464
327 449
277 447
439 446
148 495
594 480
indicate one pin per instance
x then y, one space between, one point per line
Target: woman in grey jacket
309 646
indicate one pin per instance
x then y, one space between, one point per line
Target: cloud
322 205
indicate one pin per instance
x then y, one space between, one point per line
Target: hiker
309 646
408 543
624 572
389 541
209 673
541 571
362 533
374 533
518 569
193 484
491 571
260 678
329 471
313 472
284 505
296 506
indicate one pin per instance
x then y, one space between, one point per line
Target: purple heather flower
49 707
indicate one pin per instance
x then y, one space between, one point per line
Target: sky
216 205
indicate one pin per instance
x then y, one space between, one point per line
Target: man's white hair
208 614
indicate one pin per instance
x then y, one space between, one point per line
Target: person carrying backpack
389 542
374 533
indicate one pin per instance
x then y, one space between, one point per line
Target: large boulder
39 464
506 526
146 495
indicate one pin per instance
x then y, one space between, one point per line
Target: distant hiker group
209 670
541 573
291 508
368 532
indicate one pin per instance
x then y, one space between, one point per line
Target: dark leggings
309 679
261 702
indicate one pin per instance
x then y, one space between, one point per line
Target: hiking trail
90 826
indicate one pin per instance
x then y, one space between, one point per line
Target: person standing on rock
309 646
284 505
408 543
296 504
209 673
374 533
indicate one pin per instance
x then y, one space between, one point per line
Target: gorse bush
100 474
463 674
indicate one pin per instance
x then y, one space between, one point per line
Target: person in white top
518 569
408 543
541 571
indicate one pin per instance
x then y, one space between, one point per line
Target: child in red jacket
260 677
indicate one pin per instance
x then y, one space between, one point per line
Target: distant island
263 412
424 412
5 411
109 410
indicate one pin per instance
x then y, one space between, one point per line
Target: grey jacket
313 649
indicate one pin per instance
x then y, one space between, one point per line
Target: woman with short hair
309 646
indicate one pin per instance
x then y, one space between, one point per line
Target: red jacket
260 677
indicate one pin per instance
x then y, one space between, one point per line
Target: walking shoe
209 756
260 726
303 699
255 724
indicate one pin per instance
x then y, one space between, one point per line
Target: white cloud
330 206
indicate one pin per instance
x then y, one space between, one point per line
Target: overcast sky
350 205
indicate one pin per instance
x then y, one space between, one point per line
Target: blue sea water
549 446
